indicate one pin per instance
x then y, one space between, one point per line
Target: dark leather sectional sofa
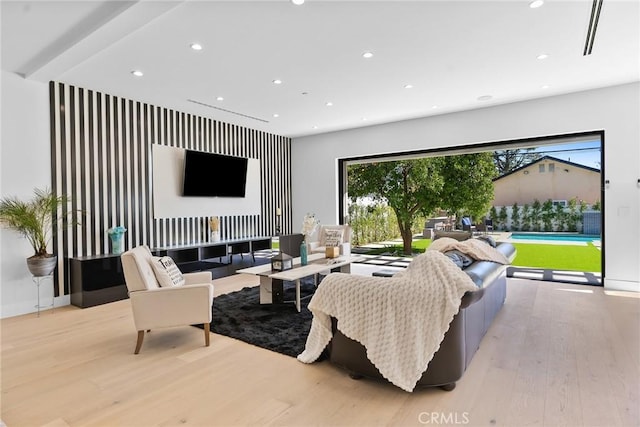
477 311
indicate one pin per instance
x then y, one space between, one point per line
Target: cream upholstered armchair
331 235
161 296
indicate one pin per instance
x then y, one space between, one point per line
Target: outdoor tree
547 215
560 217
526 217
515 217
409 187
536 210
508 160
502 218
416 187
468 184
493 214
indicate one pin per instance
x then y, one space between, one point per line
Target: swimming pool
556 236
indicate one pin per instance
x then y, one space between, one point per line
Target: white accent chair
163 307
318 240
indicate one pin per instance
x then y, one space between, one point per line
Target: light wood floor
557 355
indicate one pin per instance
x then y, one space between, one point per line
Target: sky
584 153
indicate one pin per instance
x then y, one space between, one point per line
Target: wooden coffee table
317 264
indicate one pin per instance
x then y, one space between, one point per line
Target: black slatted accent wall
101 159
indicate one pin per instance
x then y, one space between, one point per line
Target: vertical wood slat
101 159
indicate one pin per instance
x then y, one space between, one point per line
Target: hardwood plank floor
556 354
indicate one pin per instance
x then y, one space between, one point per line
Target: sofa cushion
167 272
460 259
490 240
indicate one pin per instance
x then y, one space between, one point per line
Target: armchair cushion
167 272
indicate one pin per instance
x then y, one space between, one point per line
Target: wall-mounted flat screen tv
214 175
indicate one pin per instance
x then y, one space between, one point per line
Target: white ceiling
452 52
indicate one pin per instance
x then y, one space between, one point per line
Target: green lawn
555 257
559 257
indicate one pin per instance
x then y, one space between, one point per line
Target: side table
38 281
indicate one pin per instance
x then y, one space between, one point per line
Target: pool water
559 237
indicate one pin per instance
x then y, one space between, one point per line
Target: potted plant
34 219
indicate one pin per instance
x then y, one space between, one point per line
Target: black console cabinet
96 280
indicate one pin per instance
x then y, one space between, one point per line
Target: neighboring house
548 178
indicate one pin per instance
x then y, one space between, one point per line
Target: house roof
543 158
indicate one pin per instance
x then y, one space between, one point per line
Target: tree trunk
407 241
407 237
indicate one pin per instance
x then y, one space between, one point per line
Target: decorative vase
303 253
117 242
215 236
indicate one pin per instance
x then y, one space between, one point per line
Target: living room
309 163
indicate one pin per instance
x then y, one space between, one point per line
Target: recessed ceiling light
315 127
545 86
367 54
137 73
276 115
408 86
536 4
364 119
277 82
297 2
329 104
434 107
485 98
219 98
543 56
196 46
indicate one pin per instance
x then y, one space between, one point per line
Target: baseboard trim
621 285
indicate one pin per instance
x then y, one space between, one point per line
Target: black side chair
488 225
467 225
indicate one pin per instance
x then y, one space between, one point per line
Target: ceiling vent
593 26
227 111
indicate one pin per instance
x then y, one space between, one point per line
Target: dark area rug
276 327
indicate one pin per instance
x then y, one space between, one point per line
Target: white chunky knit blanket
474 248
400 320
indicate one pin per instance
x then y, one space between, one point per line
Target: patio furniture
467 225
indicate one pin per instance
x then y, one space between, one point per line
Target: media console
98 279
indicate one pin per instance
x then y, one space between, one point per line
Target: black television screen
214 175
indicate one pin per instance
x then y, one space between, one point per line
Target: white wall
616 110
25 164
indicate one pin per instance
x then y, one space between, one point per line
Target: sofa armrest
471 297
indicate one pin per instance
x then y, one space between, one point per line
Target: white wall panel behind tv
168 202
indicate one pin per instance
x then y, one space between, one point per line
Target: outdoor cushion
458 235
